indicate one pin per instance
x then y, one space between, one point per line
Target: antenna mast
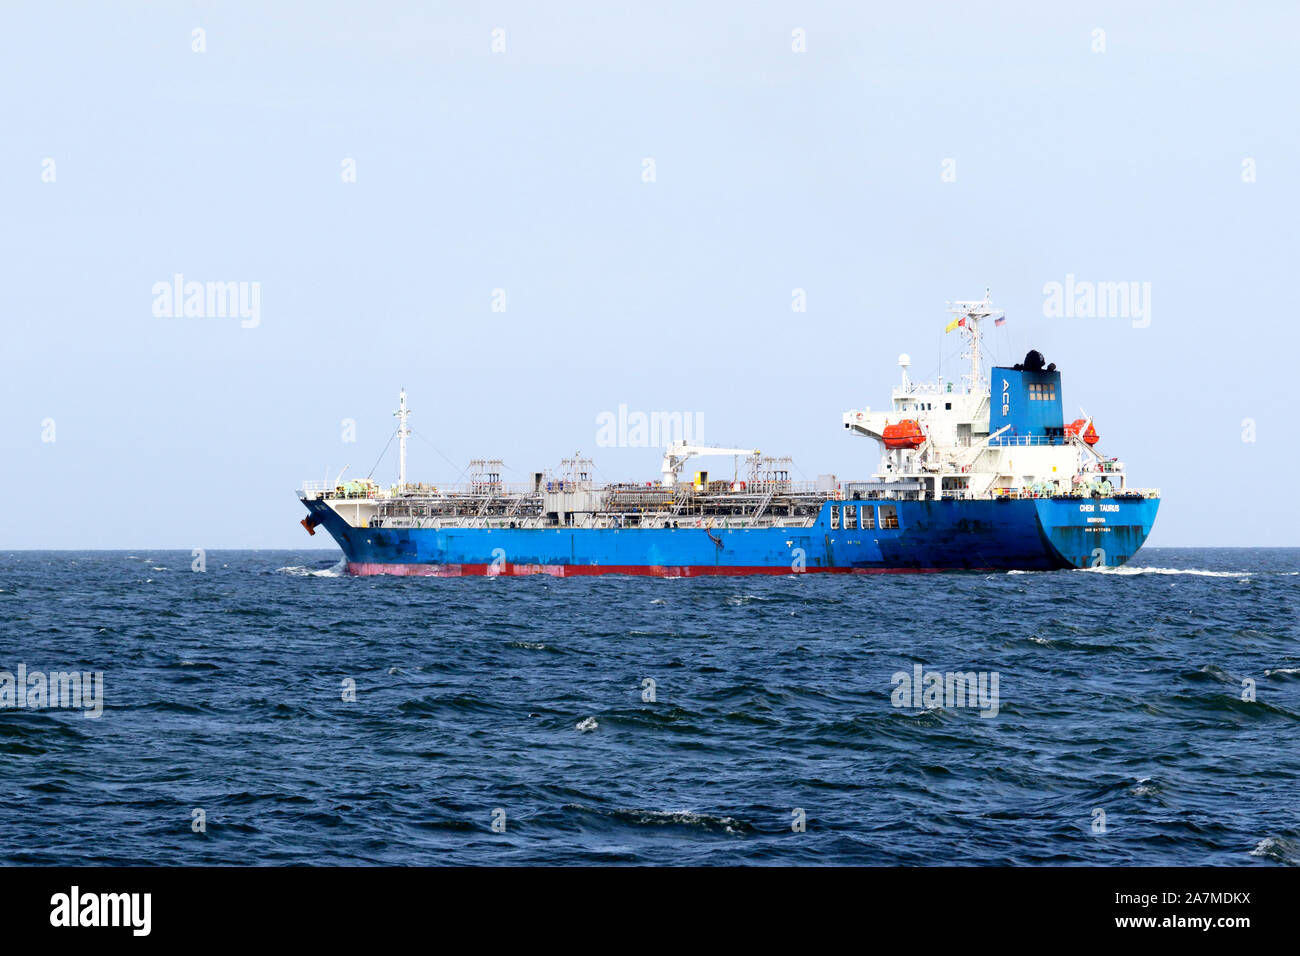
402 433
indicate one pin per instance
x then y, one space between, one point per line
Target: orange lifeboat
905 434
1090 436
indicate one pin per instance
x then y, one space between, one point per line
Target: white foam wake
297 570
1125 569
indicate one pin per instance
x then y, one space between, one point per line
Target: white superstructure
956 456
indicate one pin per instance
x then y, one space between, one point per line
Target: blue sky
522 171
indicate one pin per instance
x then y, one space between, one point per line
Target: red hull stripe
583 570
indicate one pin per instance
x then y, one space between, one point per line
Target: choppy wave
687 819
1278 850
387 720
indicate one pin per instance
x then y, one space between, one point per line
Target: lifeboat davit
905 434
1090 436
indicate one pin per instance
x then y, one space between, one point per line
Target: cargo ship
978 475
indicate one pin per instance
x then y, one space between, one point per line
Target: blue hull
1030 534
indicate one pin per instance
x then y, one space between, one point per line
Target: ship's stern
1096 532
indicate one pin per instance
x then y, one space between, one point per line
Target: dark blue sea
1145 715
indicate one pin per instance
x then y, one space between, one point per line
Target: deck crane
681 451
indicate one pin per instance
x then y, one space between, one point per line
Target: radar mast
970 314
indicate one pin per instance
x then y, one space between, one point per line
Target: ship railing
924 388
476 490
622 491
1010 493
1015 493
1018 441
315 489
782 487
885 495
